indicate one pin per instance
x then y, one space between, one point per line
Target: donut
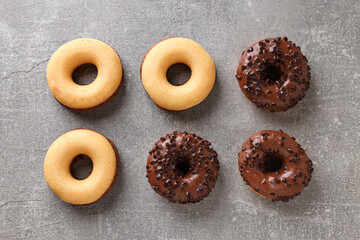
274 165
160 57
74 54
182 167
65 149
273 74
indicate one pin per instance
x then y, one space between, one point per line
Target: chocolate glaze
116 170
182 167
283 60
283 183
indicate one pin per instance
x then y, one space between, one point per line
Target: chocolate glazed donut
274 165
273 74
182 167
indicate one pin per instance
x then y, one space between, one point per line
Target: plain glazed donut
65 149
273 74
161 56
274 165
182 167
76 53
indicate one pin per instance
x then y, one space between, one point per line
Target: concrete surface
326 122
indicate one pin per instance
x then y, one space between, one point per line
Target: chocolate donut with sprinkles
274 74
182 167
274 165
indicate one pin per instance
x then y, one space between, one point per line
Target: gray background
326 122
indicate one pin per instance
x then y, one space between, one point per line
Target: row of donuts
181 167
272 73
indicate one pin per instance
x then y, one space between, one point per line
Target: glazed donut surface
161 56
76 53
182 167
274 165
273 74
63 151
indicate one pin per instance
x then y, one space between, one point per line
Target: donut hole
81 166
272 73
85 74
178 74
273 163
182 166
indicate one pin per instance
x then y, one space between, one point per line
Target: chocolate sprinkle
274 65
186 167
264 165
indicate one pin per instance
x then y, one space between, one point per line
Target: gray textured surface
326 122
